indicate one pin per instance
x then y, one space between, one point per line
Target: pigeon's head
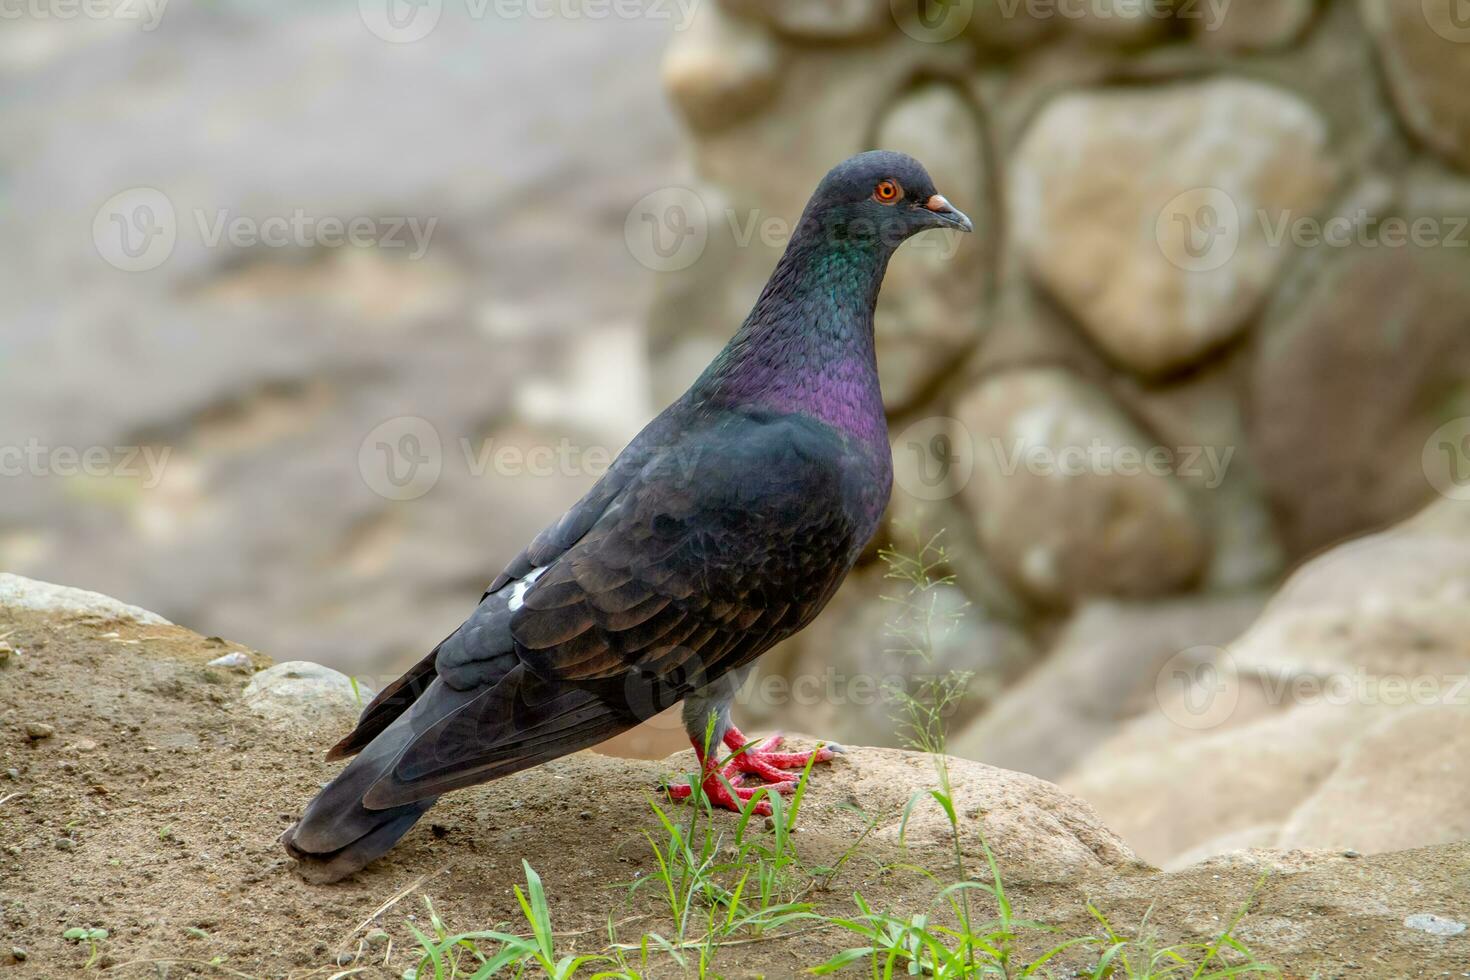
883 196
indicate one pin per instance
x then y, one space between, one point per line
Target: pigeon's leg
707 722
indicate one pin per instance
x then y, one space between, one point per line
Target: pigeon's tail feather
391 702
339 834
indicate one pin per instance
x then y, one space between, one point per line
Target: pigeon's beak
949 216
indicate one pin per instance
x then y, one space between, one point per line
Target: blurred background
311 315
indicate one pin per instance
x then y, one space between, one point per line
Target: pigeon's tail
339 834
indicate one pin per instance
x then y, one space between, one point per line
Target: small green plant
447 956
93 937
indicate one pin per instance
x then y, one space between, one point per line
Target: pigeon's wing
704 560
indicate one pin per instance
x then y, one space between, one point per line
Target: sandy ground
152 806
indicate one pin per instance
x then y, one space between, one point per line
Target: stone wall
1214 315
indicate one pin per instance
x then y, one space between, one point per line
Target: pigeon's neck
807 346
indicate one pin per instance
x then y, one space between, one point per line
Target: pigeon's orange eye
887 192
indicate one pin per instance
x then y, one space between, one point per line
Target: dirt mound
140 795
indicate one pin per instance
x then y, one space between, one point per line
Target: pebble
36 731
232 661
1352 854
1434 924
5 651
18 954
85 745
344 958
13 775
65 844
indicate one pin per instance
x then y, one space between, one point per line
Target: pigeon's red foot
722 784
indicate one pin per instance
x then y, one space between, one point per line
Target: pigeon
723 528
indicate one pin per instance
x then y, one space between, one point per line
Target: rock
721 69
1251 25
1405 783
23 593
1070 498
65 844
832 675
35 731
232 661
1434 924
302 693
5 651
1369 318
1098 673
18 954
928 313
832 20
1422 46
1139 209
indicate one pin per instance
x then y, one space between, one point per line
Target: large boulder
1138 209
1070 498
1422 45
1284 736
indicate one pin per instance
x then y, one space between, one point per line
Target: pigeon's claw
765 762
723 790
